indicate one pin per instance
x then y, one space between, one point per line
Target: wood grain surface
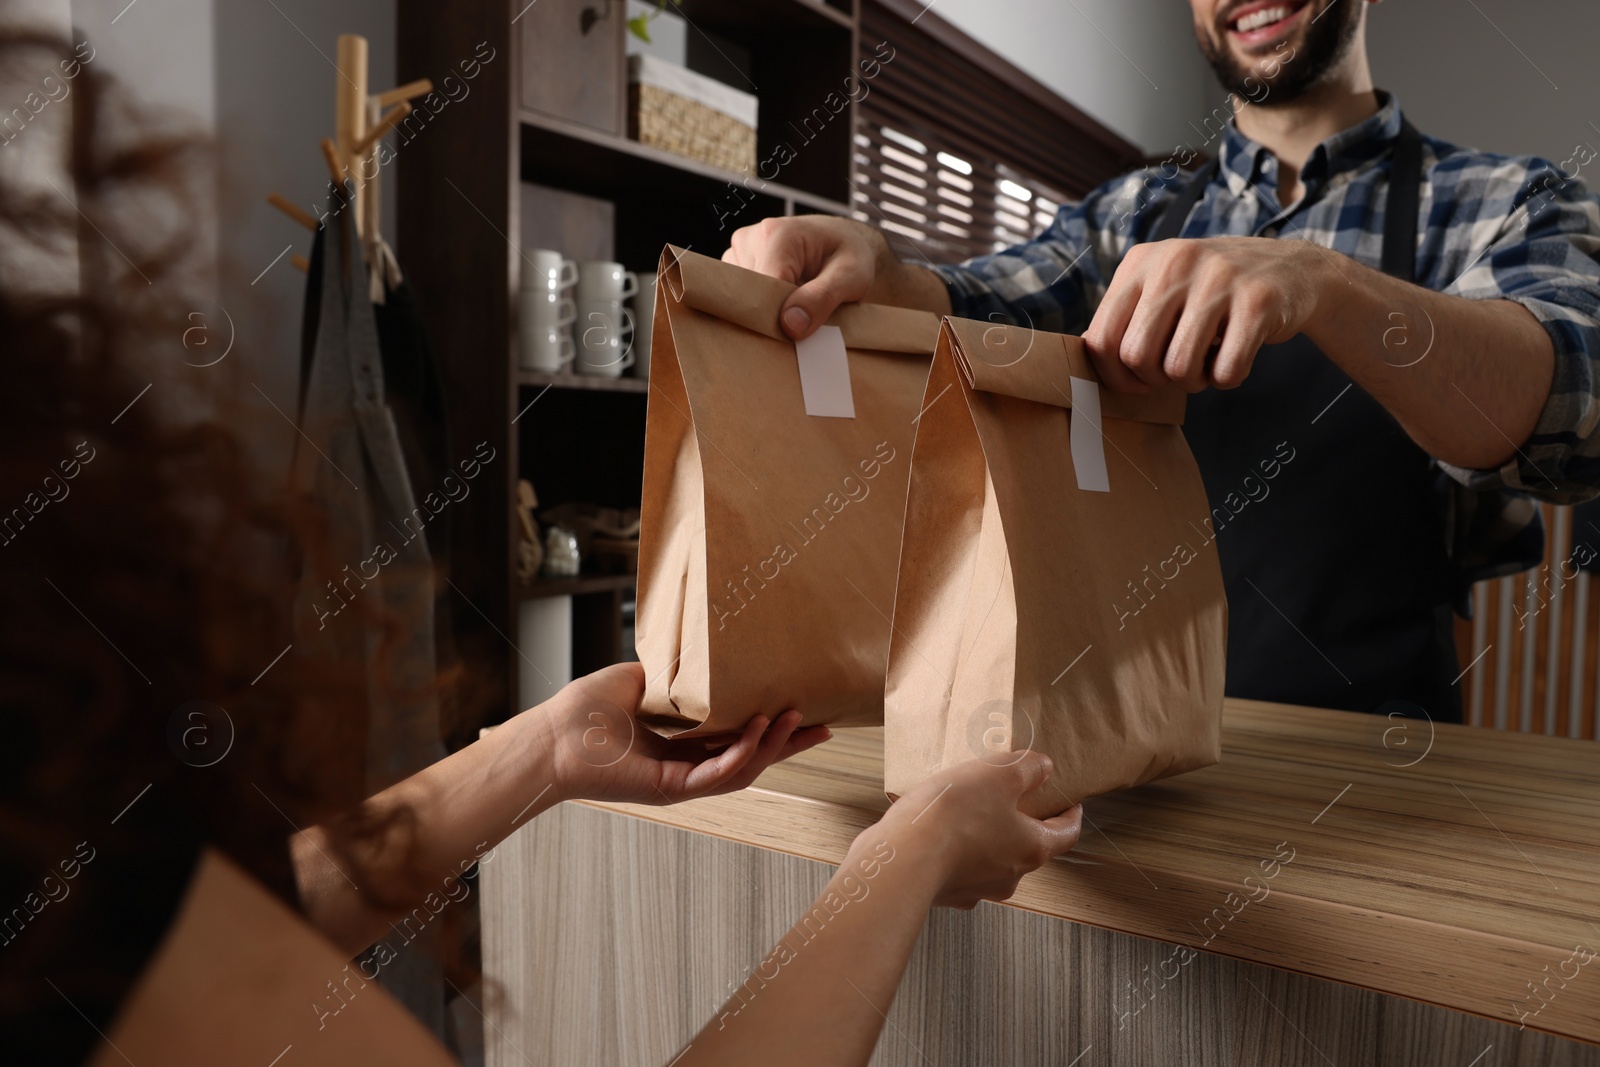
1451 865
610 940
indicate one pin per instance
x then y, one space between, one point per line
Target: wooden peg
330 155
384 125
350 106
401 93
350 94
300 263
372 187
284 205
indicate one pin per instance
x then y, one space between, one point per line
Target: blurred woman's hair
147 567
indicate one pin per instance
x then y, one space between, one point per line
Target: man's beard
1327 42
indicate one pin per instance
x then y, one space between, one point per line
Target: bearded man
1391 342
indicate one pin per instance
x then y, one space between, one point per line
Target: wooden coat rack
360 121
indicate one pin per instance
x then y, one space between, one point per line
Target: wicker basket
688 114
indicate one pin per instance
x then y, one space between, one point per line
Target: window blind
958 153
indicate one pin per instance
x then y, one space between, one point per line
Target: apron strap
1170 224
1400 215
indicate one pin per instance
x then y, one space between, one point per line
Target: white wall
1516 76
275 91
1460 76
161 48
1131 64
258 77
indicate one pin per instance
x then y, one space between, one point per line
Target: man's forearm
907 285
1467 379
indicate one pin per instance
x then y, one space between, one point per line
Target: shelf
735 15
584 160
583 583
594 382
465 193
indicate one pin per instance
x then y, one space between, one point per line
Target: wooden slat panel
1506 680
1539 637
1585 636
1017 84
612 939
986 127
1577 659
985 178
1558 673
934 91
935 81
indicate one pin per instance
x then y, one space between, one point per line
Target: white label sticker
1088 445
825 374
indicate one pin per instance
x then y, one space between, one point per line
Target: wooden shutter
1529 659
958 153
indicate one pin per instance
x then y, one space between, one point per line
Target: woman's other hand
965 823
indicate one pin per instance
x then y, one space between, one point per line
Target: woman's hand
954 840
964 822
600 752
582 744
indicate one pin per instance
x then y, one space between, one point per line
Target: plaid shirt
1492 227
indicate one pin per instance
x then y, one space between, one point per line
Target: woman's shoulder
241 978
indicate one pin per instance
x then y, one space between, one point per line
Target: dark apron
1328 521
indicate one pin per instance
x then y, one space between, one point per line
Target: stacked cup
605 327
544 315
644 310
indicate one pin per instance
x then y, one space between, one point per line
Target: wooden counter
1402 873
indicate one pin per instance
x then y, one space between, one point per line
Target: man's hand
833 261
1197 311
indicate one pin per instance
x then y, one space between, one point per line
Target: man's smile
1265 22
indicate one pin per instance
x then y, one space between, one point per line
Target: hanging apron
1337 571
351 463
356 472
414 393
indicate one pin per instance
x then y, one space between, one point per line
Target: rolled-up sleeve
1545 255
1055 281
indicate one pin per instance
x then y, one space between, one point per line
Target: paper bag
769 536
1059 588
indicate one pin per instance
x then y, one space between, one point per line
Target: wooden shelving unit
535 380
582 584
561 153
545 124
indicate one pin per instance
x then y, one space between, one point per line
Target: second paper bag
1058 589
769 534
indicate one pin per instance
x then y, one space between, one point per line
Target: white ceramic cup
545 269
605 338
602 280
544 341
644 311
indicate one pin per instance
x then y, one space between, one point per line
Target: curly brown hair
147 571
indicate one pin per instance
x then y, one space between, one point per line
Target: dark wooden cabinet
537 151
570 62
